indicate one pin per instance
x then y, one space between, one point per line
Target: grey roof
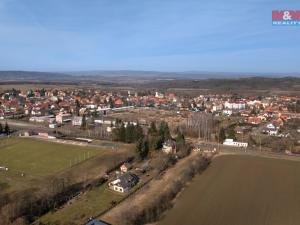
169 143
270 129
128 180
96 222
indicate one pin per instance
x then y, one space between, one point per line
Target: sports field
39 158
237 190
29 161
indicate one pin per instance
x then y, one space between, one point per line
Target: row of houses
42 102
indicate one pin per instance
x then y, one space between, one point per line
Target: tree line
4 129
227 132
151 139
129 134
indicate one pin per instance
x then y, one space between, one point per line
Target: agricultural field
238 190
30 161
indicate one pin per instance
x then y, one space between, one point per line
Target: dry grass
241 190
146 198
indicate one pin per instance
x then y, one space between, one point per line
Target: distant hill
177 75
251 83
32 76
127 75
152 79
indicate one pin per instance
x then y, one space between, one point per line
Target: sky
156 35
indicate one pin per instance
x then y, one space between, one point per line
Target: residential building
271 130
234 105
125 167
77 121
169 146
63 117
253 120
124 183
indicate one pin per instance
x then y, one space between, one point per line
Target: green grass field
41 158
44 162
237 190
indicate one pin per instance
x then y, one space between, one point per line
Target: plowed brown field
241 190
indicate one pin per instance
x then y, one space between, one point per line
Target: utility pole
218 133
259 142
199 133
206 137
242 136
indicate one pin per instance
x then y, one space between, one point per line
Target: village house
77 121
253 120
63 117
52 125
217 107
271 130
125 167
124 183
159 95
169 147
245 113
227 112
118 103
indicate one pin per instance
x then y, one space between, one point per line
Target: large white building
234 105
230 142
42 119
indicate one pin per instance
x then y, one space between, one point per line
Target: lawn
41 158
35 165
89 204
238 190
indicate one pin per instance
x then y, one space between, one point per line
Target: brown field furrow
241 190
